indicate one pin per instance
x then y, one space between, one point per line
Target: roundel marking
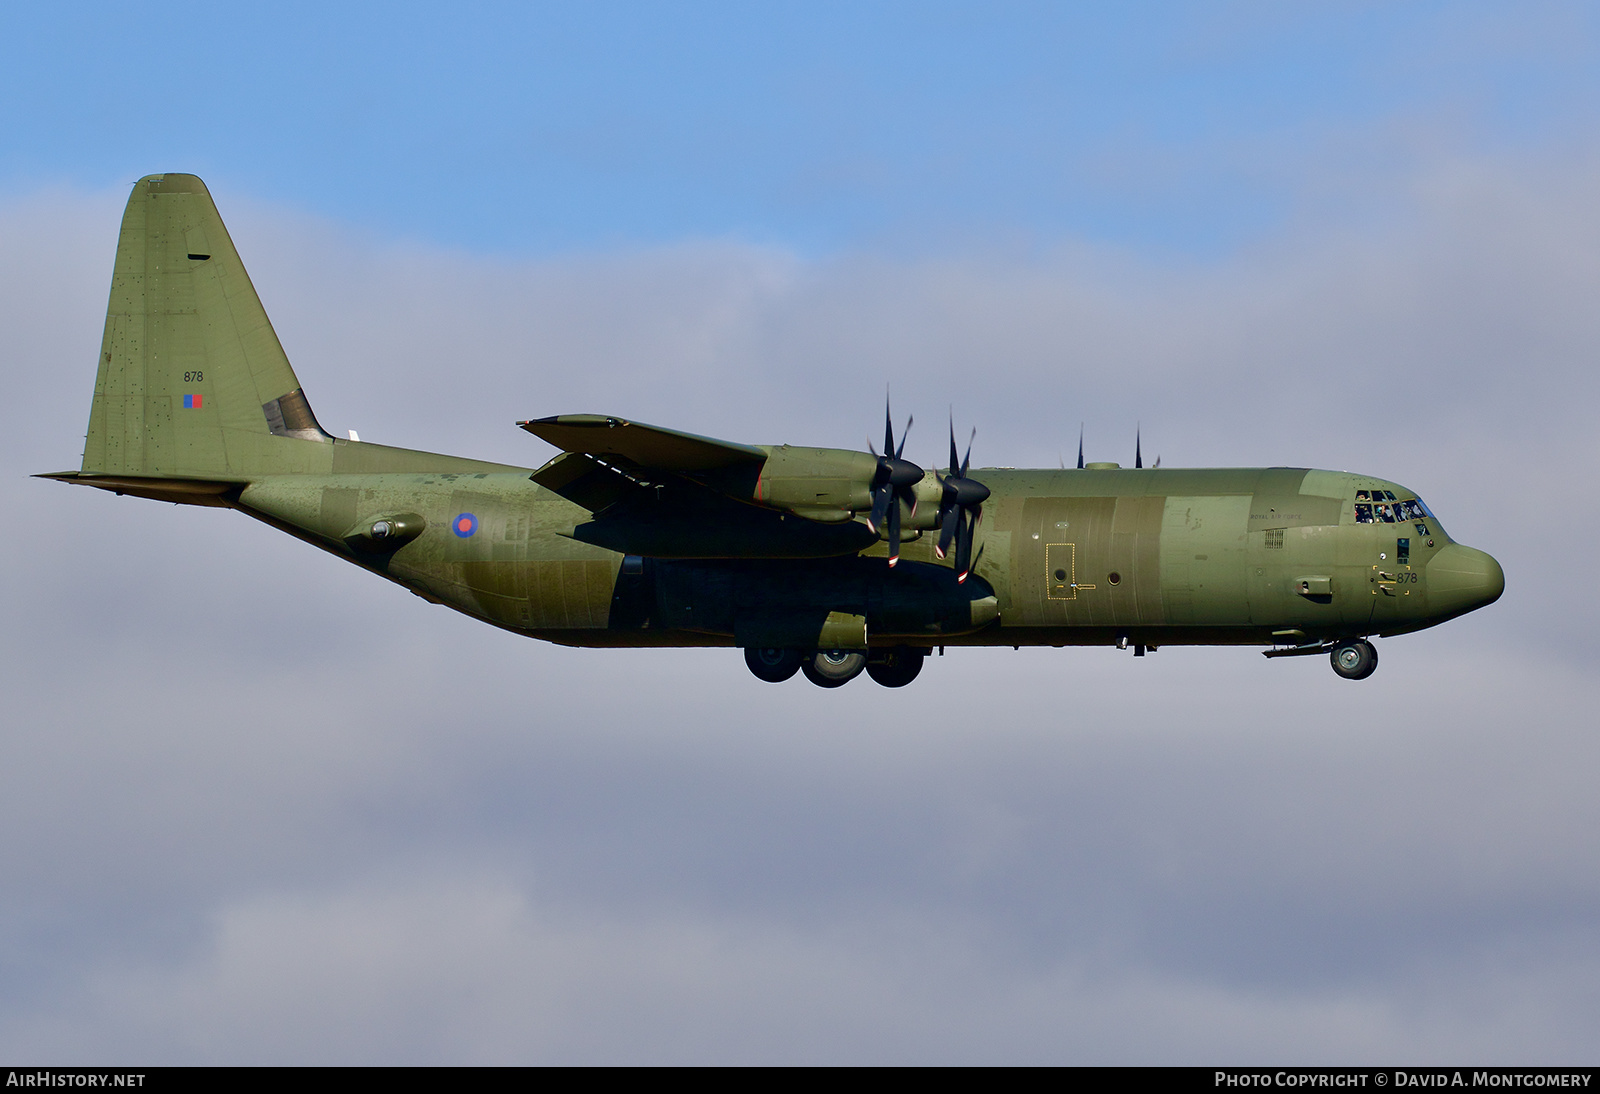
465 524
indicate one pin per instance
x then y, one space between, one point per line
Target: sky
256 807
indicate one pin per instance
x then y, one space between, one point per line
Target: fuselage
829 562
1267 556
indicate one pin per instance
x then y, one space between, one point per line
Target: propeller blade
880 503
894 531
901 451
972 540
947 529
960 503
964 548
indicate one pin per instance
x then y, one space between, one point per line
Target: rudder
192 382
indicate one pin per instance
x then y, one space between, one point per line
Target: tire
897 667
1354 660
833 668
773 666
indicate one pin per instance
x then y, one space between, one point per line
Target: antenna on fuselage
1138 455
1080 446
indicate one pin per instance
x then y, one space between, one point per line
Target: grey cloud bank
258 807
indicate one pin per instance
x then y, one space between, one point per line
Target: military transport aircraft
818 560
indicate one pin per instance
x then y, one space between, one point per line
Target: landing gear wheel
897 667
833 668
773 666
1354 660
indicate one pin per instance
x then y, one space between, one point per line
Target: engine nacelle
824 484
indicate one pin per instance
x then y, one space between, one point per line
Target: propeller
1138 456
892 483
960 507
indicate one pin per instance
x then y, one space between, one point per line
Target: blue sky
258 807
526 129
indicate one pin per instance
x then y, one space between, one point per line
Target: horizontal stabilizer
642 445
178 491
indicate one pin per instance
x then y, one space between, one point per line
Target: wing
669 494
644 446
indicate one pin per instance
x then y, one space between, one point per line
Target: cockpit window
1382 507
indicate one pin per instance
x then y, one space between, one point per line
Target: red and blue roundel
465 524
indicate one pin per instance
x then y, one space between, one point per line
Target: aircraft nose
1461 579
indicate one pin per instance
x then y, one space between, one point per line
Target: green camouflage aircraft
818 560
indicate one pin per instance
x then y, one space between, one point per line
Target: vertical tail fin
192 382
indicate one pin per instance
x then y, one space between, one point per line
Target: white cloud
478 970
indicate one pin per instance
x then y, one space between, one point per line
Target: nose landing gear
1355 660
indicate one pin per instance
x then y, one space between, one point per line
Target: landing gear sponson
893 668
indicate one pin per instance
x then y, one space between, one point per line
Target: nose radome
1461 579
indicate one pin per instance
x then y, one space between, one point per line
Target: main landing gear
1354 660
893 668
833 668
773 666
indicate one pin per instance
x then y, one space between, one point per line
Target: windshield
1382 507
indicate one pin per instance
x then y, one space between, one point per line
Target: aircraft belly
780 602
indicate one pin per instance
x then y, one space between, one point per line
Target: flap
641 445
585 481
